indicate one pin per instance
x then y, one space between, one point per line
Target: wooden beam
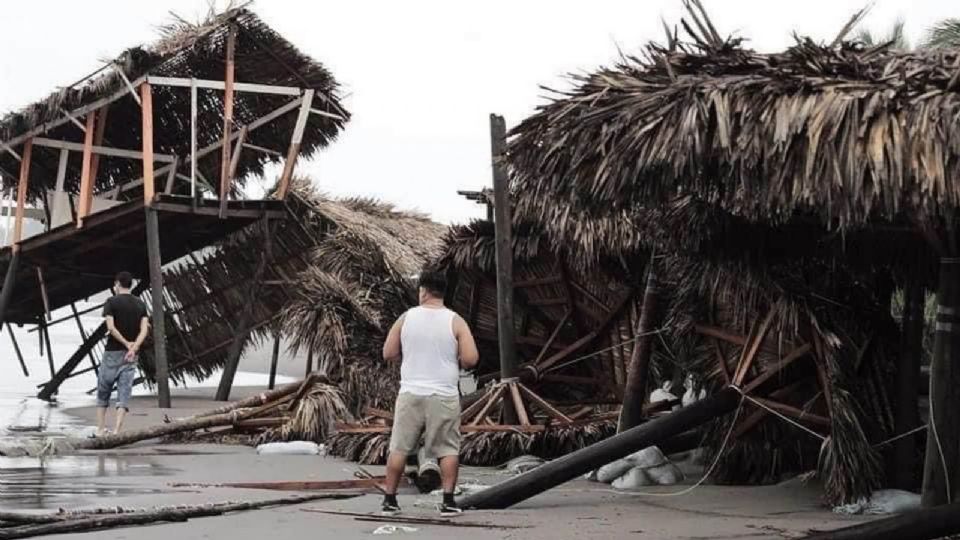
543 404
496 395
147 116
221 85
98 136
97 150
227 120
795 354
553 336
171 177
43 293
237 151
273 361
503 225
720 334
22 194
193 138
518 404
750 351
295 141
86 183
162 374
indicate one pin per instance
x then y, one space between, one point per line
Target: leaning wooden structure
143 162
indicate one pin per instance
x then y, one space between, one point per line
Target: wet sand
142 476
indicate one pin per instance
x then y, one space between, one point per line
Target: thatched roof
188 51
841 132
339 277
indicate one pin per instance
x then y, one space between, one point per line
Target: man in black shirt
127 326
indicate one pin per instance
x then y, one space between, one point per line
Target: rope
709 471
601 351
900 436
779 415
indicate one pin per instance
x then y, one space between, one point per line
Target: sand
141 476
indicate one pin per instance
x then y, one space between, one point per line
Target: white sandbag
522 464
292 448
633 479
611 471
663 394
667 474
884 501
591 476
650 456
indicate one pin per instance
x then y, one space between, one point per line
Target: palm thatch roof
185 50
845 133
340 273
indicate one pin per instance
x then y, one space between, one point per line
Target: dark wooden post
504 257
45 335
83 336
161 373
9 280
940 474
16 349
273 361
570 466
636 384
908 382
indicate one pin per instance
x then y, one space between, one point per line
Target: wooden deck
75 263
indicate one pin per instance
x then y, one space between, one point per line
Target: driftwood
293 486
128 437
925 524
413 520
263 398
570 466
68 523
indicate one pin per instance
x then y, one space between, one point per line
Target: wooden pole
236 346
504 259
22 194
295 141
9 281
45 334
940 475
146 115
309 361
156 288
570 466
635 389
227 121
16 349
273 361
908 383
86 183
926 524
83 336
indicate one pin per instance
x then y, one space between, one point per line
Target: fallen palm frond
313 418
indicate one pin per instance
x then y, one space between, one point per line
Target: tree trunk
940 478
570 466
635 389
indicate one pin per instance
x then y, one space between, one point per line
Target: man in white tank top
433 344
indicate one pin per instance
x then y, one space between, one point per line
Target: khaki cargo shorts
435 417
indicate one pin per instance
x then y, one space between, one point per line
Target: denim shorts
115 370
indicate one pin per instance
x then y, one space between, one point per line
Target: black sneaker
449 509
389 508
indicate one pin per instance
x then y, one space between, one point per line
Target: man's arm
112 329
134 347
469 355
391 347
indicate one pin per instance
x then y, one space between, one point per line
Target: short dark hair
434 282
125 279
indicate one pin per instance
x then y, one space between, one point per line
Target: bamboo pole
227 121
146 115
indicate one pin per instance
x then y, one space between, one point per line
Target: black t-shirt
127 312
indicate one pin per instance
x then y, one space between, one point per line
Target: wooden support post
146 112
9 281
243 326
941 474
171 176
635 389
43 293
908 383
45 334
504 258
22 194
83 336
98 136
16 349
86 183
295 141
570 466
193 139
161 373
273 361
227 121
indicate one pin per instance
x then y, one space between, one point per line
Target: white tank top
431 362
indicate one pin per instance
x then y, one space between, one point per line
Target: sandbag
611 471
650 456
667 474
633 479
884 501
292 448
522 464
591 476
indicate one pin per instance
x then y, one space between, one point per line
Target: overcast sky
422 75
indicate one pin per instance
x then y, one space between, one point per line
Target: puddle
49 483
